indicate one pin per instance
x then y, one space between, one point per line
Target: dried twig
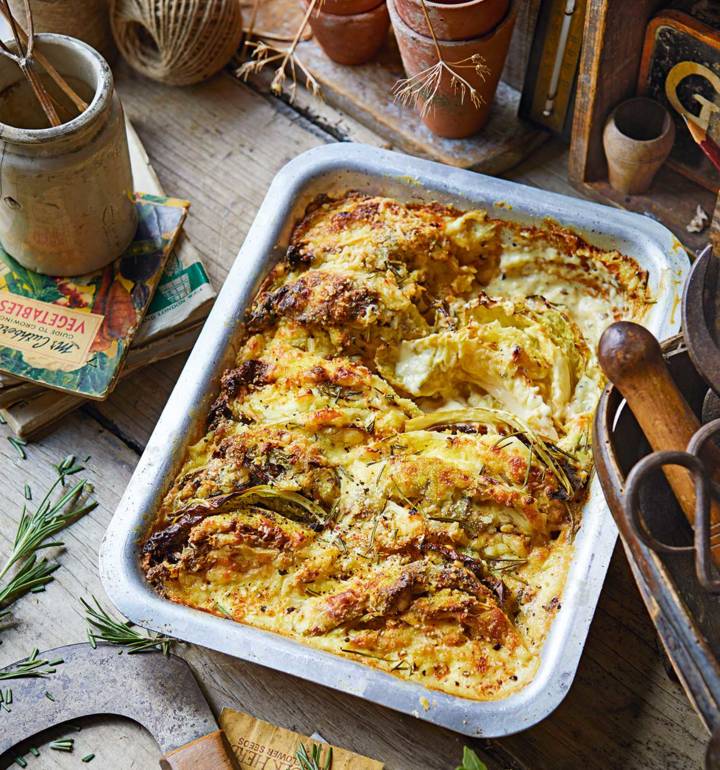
421 89
288 62
23 58
44 62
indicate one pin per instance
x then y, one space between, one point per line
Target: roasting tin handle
703 527
704 488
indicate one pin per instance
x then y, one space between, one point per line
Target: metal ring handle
635 480
703 530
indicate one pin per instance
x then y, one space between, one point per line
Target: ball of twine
178 42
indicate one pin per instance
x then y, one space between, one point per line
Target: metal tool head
701 316
158 692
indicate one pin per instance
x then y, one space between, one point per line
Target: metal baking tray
337 168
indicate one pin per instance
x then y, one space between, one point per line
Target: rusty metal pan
679 593
337 168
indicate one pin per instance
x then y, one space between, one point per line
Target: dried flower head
288 63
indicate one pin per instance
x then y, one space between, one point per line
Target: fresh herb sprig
33 667
103 627
32 575
471 761
36 531
313 760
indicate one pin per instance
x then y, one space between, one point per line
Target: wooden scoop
632 360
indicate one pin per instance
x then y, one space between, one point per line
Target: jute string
179 42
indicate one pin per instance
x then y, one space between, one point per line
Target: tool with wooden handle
158 692
632 360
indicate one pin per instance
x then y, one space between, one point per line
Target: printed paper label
45 330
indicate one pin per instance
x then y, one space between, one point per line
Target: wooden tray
365 93
612 51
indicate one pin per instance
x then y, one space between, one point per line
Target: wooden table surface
219 145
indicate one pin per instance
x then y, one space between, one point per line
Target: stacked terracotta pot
351 31
474 28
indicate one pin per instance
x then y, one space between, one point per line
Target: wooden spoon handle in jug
632 359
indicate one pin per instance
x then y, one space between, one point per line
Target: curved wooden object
211 752
632 360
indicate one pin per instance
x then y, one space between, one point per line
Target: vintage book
259 744
31 416
184 294
73 334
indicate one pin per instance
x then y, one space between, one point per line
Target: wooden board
365 93
219 144
614 35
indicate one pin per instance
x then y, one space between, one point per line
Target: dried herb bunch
421 90
288 66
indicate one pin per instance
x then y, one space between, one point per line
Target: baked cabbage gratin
394 470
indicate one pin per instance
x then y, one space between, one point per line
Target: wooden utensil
632 359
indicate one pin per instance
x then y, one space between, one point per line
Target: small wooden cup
638 137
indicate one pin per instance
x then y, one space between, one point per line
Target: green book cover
73 334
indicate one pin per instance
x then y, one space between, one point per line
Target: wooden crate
609 66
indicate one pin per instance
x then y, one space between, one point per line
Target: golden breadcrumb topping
395 468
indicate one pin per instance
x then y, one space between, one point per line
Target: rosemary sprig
313 760
33 667
37 526
31 575
123 633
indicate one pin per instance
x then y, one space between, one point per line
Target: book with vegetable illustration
73 334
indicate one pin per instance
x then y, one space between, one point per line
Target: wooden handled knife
160 693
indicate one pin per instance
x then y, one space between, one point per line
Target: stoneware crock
66 192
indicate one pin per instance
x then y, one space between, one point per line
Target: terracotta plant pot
450 113
638 137
349 7
351 38
453 20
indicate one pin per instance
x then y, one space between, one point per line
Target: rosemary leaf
471 761
64 744
19 446
33 667
103 627
313 761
